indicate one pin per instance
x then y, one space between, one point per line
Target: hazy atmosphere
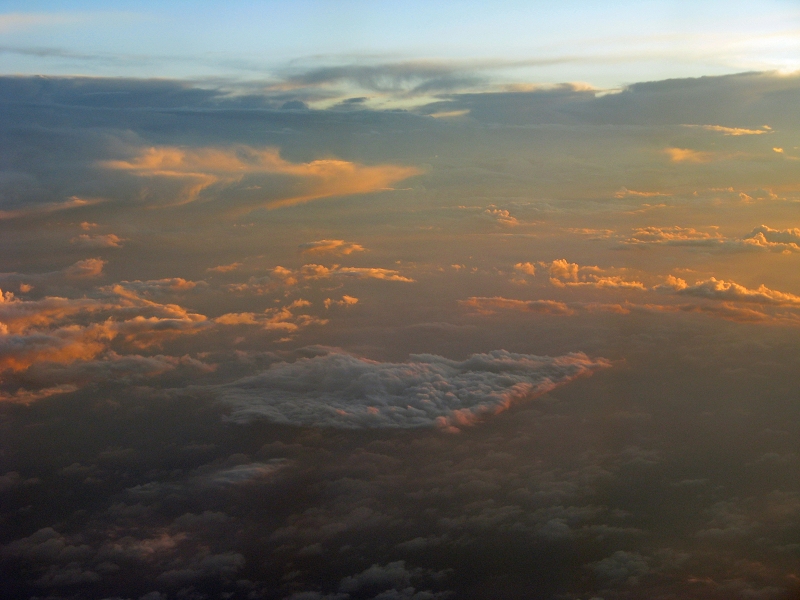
382 301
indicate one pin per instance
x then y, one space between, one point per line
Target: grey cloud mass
343 391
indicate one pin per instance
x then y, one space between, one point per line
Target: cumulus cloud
281 276
225 268
501 216
283 319
621 567
567 274
526 268
98 241
675 236
345 301
777 240
760 238
344 391
339 247
84 269
717 289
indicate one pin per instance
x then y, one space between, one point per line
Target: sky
377 301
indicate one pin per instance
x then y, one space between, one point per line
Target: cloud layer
343 391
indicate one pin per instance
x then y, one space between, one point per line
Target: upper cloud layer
343 391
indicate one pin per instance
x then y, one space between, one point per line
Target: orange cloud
624 192
203 167
338 247
283 318
690 156
488 306
225 268
733 130
717 289
563 274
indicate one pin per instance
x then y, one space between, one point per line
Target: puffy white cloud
344 391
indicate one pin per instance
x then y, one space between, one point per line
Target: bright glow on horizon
606 44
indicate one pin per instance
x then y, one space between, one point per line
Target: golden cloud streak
203 167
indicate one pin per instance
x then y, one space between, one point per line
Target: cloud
567 274
680 155
225 268
394 580
45 209
200 168
158 286
244 473
675 236
625 193
370 273
282 319
343 391
776 240
717 289
339 247
345 301
98 241
501 216
85 269
63 345
735 131
621 567
525 268
487 306
761 238
281 276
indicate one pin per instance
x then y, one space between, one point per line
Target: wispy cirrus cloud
197 169
734 131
